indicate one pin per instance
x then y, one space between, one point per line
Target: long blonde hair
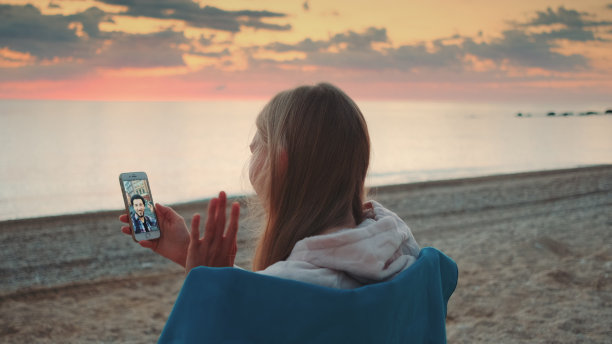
324 139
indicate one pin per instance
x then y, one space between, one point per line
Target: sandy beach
534 252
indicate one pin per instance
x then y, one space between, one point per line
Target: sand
534 252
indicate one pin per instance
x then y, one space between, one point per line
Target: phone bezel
127 176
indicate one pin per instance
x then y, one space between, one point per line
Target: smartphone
139 206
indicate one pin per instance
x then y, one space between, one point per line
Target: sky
437 50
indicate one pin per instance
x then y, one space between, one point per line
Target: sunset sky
472 50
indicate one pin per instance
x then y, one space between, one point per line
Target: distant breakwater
566 114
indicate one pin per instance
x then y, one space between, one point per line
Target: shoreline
534 251
378 188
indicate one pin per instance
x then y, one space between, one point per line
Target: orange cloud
12 59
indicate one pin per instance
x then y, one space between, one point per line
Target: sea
64 157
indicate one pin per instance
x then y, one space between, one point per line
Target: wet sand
534 252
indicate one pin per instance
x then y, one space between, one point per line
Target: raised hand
174 238
218 246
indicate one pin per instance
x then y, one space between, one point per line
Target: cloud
306 45
25 29
205 41
76 40
348 49
153 50
73 45
91 19
361 41
159 49
202 17
576 25
402 58
355 50
363 60
218 54
258 24
520 47
351 40
571 34
569 18
407 57
524 50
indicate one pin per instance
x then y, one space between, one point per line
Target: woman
309 161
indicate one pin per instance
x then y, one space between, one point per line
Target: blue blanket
227 305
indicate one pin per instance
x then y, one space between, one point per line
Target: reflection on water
65 157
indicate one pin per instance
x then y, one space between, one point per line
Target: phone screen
141 208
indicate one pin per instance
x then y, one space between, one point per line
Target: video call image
142 211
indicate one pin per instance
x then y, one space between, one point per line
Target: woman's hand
174 238
218 247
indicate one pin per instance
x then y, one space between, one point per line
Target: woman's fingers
126 230
123 218
232 228
209 230
195 228
218 245
220 215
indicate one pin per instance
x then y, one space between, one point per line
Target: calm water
61 157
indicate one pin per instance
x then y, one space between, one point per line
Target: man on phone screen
142 222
